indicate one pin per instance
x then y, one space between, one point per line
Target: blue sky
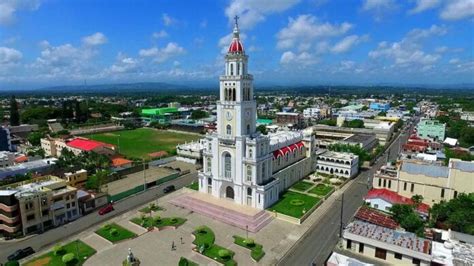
53 42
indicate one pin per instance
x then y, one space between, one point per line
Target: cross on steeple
236 18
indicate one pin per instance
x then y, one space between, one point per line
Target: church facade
239 163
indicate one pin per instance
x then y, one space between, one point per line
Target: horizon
290 43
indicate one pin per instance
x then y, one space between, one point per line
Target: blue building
380 106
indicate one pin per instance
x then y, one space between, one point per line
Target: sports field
138 143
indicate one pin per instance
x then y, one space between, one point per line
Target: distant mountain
118 87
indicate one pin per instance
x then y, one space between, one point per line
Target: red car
106 209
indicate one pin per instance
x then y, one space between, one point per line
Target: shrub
107 227
249 242
183 262
12 263
173 220
57 250
224 253
152 205
68 258
157 220
201 230
114 232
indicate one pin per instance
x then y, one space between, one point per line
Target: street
55 235
316 246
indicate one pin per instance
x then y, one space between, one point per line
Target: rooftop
389 236
394 198
376 217
425 169
463 166
338 155
86 144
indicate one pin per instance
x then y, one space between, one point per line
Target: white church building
239 163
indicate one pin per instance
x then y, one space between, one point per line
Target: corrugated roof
463 166
425 169
86 144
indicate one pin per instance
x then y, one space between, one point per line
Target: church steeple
236 46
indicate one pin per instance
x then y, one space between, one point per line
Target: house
383 199
121 163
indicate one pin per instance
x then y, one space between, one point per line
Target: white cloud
454 61
225 41
252 12
159 34
305 29
457 9
409 50
297 60
123 64
168 20
379 8
95 39
348 42
9 56
160 55
423 5
441 49
8 8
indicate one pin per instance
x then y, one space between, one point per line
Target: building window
455 194
249 192
250 153
209 165
416 261
389 183
263 170
405 186
380 182
381 253
228 130
361 247
412 187
384 182
349 244
398 256
248 129
249 173
30 217
209 181
442 193
227 165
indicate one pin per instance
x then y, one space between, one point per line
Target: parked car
106 209
169 189
21 253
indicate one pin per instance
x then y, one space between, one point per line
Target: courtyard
140 142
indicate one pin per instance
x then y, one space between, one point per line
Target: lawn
76 247
302 186
158 221
185 262
151 207
114 233
256 250
194 186
204 242
321 190
138 143
294 204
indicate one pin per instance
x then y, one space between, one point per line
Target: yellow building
433 182
77 178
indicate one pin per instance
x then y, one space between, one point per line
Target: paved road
57 234
316 246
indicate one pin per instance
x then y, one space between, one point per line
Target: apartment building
432 181
77 178
340 164
9 214
431 129
42 203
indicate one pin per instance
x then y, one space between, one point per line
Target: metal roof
425 169
463 166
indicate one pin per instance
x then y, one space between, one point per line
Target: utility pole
342 213
144 175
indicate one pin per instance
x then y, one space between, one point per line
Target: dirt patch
39 262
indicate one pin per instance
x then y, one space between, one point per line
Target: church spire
236 46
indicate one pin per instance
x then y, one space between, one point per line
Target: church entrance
229 192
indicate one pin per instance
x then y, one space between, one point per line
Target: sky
289 42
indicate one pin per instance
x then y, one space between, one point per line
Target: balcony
10 229
10 220
8 208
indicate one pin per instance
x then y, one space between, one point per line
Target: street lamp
144 175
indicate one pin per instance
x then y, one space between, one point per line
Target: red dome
236 46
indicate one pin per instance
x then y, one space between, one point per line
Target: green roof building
431 129
160 115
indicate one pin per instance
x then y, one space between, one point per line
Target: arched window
209 181
233 95
238 69
249 192
209 165
227 165
249 173
250 153
248 129
279 160
263 170
231 69
228 130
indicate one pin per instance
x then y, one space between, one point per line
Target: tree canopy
456 214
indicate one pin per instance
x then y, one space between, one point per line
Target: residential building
431 129
190 152
54 146
385 244
7 158
10 223
383 199
119 162
240 164
468 116
44 203
77 178
382 133
5 139
89 201
290 118
311 112
433 182
43 166
339 164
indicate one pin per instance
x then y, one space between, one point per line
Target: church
240 163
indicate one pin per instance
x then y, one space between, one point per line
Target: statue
131 260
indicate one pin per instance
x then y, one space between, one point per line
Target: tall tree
14 114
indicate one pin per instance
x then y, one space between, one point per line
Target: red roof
277 153
21 159
118 161
287 149
293 147
376 217
158 154
394 198
299 144
414 147
86 144
236 46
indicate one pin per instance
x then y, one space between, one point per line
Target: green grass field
76 247
138 143
321 190
302 185
293 204
114 233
